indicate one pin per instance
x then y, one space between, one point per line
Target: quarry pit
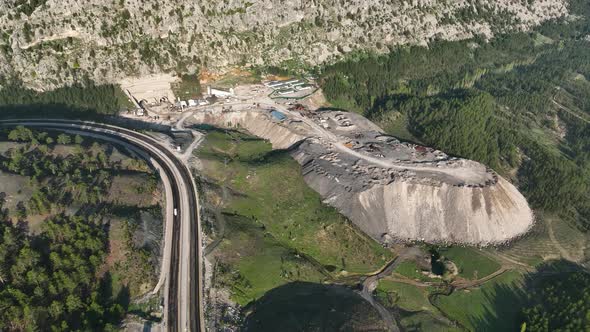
392 190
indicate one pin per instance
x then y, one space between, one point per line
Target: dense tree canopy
80 177
55 278
81 100
560 304
463 123
48 280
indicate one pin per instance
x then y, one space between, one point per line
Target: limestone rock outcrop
52 43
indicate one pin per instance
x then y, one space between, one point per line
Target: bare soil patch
150 87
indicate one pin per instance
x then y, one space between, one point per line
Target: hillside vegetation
560 303
262 211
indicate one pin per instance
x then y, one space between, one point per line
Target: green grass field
471 264
281 220
495 306
538 246
425 321
256 262
409 269
407 297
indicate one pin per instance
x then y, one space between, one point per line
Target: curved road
182 243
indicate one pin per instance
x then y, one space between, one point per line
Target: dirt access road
371 282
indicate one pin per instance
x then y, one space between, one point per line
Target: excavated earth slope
390 189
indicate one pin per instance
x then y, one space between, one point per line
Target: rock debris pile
392 190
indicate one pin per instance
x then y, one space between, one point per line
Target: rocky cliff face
392 190
48 43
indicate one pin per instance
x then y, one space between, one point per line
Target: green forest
559 304
79 100
520 102
49 279
54 277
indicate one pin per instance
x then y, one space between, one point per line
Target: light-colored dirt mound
447 213
391 190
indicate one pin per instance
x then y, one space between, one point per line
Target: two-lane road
181 263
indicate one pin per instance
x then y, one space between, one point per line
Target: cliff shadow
506 302
253 157
305 306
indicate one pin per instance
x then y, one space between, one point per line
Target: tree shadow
123 297
305 306
503 312
507 301
114 306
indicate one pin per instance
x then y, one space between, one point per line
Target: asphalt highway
183 285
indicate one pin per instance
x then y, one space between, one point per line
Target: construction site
154 98
391 189
396 192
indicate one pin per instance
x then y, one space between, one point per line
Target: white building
289 86
219 92
182 104
283 84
